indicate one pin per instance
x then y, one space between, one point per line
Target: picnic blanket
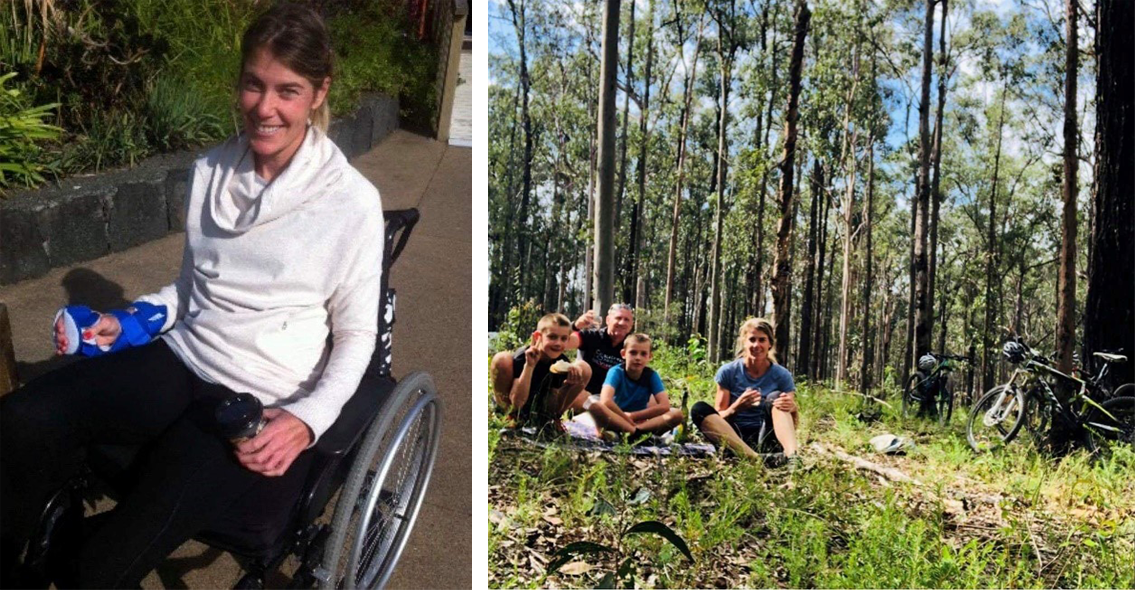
581 435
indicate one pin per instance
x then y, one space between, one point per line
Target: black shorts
761 440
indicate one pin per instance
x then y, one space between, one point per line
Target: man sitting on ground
599 347
633 399
519 378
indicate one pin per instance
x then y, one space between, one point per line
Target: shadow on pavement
84 287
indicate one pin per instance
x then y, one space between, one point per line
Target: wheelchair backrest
399 224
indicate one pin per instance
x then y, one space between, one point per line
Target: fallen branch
860 463
1036 550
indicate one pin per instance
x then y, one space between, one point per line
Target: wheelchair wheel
379 502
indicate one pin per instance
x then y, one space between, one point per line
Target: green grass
975 522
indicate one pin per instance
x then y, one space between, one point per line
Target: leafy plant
177 119
624 575
22 128
110 139
521 321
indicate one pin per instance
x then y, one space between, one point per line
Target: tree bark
806 311
725 51
820 320
868 343
923 324
849 163
1109 316
625 135
637 218
782 279
935 185
1066 295
605 206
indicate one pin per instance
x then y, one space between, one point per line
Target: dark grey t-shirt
596 348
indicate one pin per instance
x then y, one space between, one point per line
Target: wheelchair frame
378 500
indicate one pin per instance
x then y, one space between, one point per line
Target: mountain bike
1028 400
928 389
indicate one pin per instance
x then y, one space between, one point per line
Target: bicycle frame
1081 394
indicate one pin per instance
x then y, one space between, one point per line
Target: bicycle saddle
1111 358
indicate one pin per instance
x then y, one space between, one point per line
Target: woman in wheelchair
278 296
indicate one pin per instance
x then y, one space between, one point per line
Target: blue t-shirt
632 395
732 376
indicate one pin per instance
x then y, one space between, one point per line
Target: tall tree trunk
675 216
923 324
605 206
820 320
637 218
868 343
520 24
783 278
624 137
1109 316
908 344
989 353
1066 297
725 51
765 147
847 204
806 312
935 188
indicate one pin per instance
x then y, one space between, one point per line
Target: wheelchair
376 459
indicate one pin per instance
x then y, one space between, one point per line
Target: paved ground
433 279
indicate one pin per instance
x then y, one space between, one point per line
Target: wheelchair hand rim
421 481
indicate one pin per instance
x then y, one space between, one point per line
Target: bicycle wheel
945 405
995 419
1115 424
911 399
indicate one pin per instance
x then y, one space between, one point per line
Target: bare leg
719 432
784 427
571 396
501 369
663 423
607 418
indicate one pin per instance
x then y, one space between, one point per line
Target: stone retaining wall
86 217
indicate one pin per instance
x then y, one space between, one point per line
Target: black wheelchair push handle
399 225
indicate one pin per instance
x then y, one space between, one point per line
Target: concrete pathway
433 279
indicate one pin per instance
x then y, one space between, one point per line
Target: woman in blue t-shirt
754 396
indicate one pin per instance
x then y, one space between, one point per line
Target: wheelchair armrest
401 220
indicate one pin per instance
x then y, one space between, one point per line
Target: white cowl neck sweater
270 270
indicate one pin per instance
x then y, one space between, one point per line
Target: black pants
140 396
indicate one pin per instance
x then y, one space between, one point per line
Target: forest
880 178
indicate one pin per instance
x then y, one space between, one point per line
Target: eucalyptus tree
1109 316
782 278
605 210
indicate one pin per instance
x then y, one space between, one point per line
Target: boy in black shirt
517 377
602 348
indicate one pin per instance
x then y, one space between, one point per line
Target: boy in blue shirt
633 399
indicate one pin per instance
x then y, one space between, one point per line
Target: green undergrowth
1011 519
125 80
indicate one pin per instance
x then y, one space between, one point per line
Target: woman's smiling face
275 103
755 345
